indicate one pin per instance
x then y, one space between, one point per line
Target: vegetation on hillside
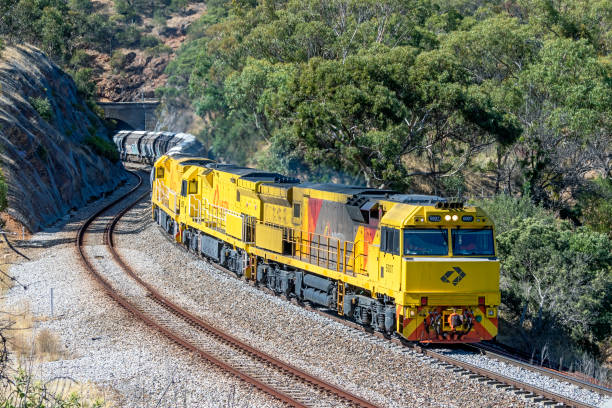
510 98
73 32
556 283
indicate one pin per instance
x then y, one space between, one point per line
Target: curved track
278 379
498 380
537 394
499 354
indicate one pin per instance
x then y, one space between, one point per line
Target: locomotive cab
448 272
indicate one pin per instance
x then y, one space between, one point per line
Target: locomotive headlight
491 312
447 217
455 217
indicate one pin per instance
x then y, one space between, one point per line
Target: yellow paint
269 237
223 202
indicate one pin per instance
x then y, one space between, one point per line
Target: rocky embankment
139 72
49 140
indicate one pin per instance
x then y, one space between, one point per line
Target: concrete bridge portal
132 115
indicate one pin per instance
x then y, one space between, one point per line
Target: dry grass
28 345
22 389
26 342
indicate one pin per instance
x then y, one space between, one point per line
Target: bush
507 211
3 192
21 390
80 59
117 60
43 107
129 36
158 50
83 6
103 147
83 78
148 41
557 279
159 18
595 207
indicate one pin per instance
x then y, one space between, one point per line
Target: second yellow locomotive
413 265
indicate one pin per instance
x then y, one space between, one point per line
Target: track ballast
272 376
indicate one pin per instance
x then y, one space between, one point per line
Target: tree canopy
417 95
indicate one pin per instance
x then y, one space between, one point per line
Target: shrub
103 147
80 59
595 207
557 279
117 60
158 50
47 343
159 18
22 390
147 41
83 6
129 37
506 211
98 112
43 107
83 79
3 192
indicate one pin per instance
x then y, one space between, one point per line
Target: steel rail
549 372
497 377
171 336
480 372
235 342
304 377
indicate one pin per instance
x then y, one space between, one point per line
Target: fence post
51 302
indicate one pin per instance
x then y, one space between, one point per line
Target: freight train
413 265
146 146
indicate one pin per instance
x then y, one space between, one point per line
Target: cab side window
383 239
389 240
184 188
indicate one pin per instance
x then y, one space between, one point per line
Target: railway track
536 394
493 352
282 381
528 391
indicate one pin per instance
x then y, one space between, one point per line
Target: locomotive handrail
215 217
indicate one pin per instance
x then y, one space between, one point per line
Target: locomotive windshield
473 242
425 242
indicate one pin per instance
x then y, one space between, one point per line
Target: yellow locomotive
412 264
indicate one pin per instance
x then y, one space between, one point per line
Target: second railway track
282 381
529 391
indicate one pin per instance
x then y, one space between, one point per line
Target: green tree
556 279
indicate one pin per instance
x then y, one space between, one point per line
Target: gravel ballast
112 349
532 378
375 369
104 343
